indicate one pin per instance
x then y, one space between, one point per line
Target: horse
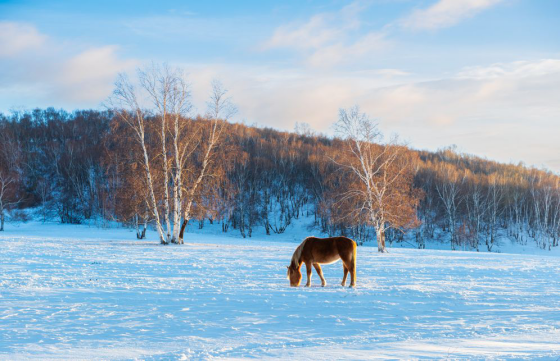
315 251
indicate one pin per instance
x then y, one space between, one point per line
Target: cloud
319 31
313 34
42 69
517 69
390 72
329 39
90 74
341 52
335 38
16 38
445 13
515 90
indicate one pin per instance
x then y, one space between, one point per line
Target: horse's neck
298 255
296 262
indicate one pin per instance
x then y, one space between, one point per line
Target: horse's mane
297 253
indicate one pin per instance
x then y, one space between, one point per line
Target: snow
78 292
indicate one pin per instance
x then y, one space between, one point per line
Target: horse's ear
288 267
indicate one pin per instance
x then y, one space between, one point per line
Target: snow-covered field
73 292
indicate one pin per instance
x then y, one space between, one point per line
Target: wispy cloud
328 39
313 34
445 13
341 52
320 30
336 38
519 69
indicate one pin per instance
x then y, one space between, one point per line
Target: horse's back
329 250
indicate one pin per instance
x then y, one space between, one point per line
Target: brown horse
315 251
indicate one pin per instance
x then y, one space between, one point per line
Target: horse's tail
354 253
353 263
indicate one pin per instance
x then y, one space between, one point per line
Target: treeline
85 165
55 160
476 200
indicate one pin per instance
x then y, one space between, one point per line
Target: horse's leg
352 273
308 266
345 275
320 272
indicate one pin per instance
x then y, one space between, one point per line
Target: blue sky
481 74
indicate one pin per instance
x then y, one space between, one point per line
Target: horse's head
294 275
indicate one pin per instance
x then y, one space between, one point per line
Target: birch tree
382 194
128 108
219 109
176 153
448 189
476 208
517 206
495 210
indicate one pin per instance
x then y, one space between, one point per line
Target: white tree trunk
154 205
380 233
165 166
177 185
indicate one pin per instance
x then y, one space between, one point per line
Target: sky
483 75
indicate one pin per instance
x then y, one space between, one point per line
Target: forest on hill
147 161
82 165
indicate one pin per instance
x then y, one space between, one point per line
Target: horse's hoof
323 285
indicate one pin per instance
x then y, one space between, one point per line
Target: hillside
80 166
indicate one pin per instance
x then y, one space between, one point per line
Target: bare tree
448 189
44 191
178 162
518 204
127 106
170 96
555 214
382 194
545 194
220 109
476 208
8 197
495 210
